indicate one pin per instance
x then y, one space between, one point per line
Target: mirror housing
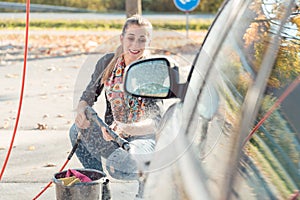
155 77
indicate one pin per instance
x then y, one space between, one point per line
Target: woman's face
134 41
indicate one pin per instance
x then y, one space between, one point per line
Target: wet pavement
42 144
53 85
35 158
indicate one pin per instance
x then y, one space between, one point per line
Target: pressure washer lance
78 140
106 194
92 115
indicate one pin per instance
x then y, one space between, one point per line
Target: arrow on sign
184 1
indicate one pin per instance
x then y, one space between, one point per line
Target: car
234 131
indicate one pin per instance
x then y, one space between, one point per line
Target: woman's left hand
106 135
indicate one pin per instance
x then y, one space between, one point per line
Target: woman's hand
106 135
80 119
113 127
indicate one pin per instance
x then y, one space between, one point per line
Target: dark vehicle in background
234 132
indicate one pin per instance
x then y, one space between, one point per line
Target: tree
287 66
133 7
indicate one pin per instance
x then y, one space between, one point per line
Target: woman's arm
94 87
80 119
91 93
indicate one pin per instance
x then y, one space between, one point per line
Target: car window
274 146
269 167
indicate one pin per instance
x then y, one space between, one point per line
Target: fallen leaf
60 115
43 97
43 94
50 69
42 126
31 148
50 165
11 75
6 124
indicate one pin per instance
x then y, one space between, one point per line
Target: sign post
186 6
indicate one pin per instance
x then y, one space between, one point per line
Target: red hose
291 87
62 168
22 89
295 195
49 184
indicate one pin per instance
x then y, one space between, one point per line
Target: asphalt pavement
35 158
42 144
52 88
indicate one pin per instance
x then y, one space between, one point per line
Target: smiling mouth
134 51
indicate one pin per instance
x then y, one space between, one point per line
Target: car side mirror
153 78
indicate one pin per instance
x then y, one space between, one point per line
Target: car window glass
270 166
230 78
273 153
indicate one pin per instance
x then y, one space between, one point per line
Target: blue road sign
186 5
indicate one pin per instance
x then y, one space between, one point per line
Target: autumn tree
133 7
287 65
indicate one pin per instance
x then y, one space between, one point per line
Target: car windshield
241 46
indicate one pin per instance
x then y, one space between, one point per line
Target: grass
196 24
269 166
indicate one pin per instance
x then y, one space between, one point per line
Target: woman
134 119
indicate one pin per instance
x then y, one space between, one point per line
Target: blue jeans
119 163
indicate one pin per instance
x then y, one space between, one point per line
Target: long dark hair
133 20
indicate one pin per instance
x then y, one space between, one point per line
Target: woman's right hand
105 134
80 120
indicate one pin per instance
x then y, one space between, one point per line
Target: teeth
134 51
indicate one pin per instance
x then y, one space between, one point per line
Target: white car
235 131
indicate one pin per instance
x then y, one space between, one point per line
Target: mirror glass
148 78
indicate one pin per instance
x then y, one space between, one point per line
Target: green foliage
287 66
209 6
100 24
159 6
270 166
181 24
205 6
116 5
63 24
95 5
282 136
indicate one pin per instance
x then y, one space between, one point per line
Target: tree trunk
133 7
